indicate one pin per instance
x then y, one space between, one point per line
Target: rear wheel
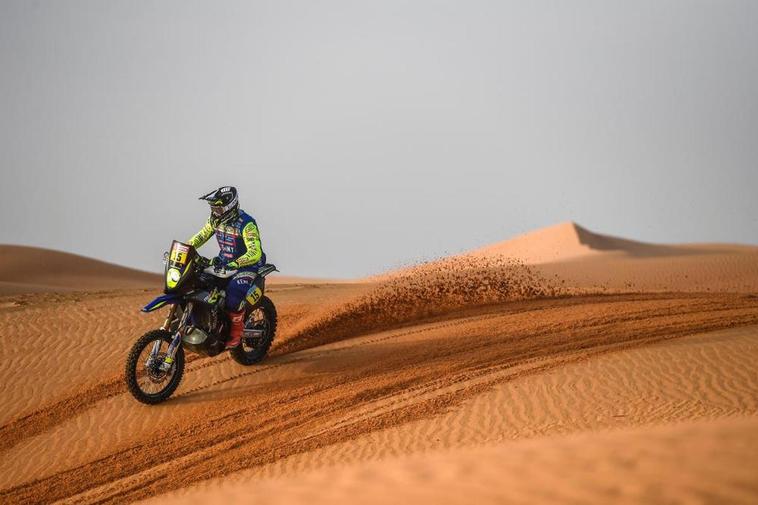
147 378
260 324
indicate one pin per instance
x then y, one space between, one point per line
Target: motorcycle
196 322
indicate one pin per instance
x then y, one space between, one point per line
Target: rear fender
161 301
267 269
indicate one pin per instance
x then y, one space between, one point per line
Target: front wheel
260 324
148 379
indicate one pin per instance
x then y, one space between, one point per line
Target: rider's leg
237 319
235 306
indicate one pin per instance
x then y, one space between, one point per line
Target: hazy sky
366 134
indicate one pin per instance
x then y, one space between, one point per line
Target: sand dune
568 257
572 259
592 262
36 270
32 269
567 241
492 381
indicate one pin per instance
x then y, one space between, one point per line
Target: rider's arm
202 236
252 239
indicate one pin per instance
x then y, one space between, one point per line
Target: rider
240 243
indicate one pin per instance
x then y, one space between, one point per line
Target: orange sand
494 381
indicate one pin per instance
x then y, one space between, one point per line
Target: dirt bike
196 322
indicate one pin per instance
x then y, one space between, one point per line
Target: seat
211 281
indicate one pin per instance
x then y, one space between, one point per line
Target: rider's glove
232 265
217 264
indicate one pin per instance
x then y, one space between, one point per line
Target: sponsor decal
251 232
254 295
212 297
179 254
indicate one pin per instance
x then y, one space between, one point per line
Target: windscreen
179 259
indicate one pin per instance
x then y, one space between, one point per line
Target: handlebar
219 272
205 265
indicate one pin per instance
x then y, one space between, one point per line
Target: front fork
168 361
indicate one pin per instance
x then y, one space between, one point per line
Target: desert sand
563 366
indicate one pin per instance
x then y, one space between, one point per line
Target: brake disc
153 369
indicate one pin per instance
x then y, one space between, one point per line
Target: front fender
161 301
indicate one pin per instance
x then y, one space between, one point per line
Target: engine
206 326
205 317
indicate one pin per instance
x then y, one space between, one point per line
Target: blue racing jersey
239 242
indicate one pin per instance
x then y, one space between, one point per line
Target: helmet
224 204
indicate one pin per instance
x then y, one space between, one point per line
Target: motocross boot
236 328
